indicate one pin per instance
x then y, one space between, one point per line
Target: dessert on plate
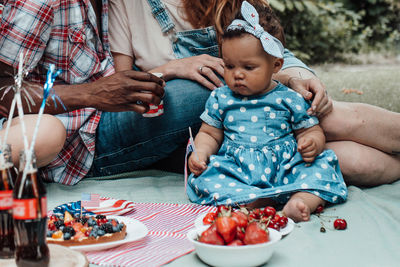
68 230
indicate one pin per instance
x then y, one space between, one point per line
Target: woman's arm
207 143
122 62
310 142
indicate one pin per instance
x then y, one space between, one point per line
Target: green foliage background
328 31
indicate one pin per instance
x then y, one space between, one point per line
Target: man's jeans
127 141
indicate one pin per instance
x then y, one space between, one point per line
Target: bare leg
365 124
301 205
49 141
365 166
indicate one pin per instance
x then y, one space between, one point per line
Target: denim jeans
127 141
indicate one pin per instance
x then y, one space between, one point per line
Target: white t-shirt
133 31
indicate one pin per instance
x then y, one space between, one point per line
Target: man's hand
307 148
313 89
197 165
124 91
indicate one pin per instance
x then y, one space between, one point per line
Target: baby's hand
197 165
307 148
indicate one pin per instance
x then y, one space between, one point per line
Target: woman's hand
313 89
203 69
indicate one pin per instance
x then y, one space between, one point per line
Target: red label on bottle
6 200
27 209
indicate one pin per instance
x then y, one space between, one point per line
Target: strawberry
235 243
226 227
222 208
77 227
240 218
68 217
255 234
211 236
240 233
78 235
209 218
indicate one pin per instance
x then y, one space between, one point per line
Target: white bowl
247 255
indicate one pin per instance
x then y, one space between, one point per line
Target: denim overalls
126 141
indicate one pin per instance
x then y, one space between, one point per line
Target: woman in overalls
178 38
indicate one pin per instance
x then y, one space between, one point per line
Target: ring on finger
201 69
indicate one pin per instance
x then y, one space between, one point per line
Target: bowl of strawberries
233 241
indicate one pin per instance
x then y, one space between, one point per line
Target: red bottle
30 217
7 180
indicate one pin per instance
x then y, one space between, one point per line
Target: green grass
380 83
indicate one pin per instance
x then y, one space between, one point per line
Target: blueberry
120 226
93 233
58 224
50 233
61 228
107 227
115 229
91 222
69 230
101 232
96 227
67 236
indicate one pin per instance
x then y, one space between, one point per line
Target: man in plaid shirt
73 36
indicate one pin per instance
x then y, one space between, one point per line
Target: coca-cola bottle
7 180
30 216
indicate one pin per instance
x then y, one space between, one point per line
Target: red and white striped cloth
166 240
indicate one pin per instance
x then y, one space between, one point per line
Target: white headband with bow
251 25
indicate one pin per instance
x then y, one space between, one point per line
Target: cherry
269 211
283 221
340 224
319 209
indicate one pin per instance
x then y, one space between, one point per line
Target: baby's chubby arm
207 143
310 142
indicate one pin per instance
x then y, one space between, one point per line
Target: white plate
111 206
135 230
198 223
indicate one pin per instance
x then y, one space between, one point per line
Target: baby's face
248 68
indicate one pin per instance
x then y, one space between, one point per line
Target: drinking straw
51 76
17 96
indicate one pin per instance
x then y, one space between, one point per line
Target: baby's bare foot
297 210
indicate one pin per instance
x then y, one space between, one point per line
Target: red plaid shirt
63 33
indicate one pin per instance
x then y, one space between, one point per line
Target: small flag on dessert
90 200
189 148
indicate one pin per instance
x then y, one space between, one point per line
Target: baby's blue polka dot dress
258 157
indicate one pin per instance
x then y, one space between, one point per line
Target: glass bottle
30 216
8 176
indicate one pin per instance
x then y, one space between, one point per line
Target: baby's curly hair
268 20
